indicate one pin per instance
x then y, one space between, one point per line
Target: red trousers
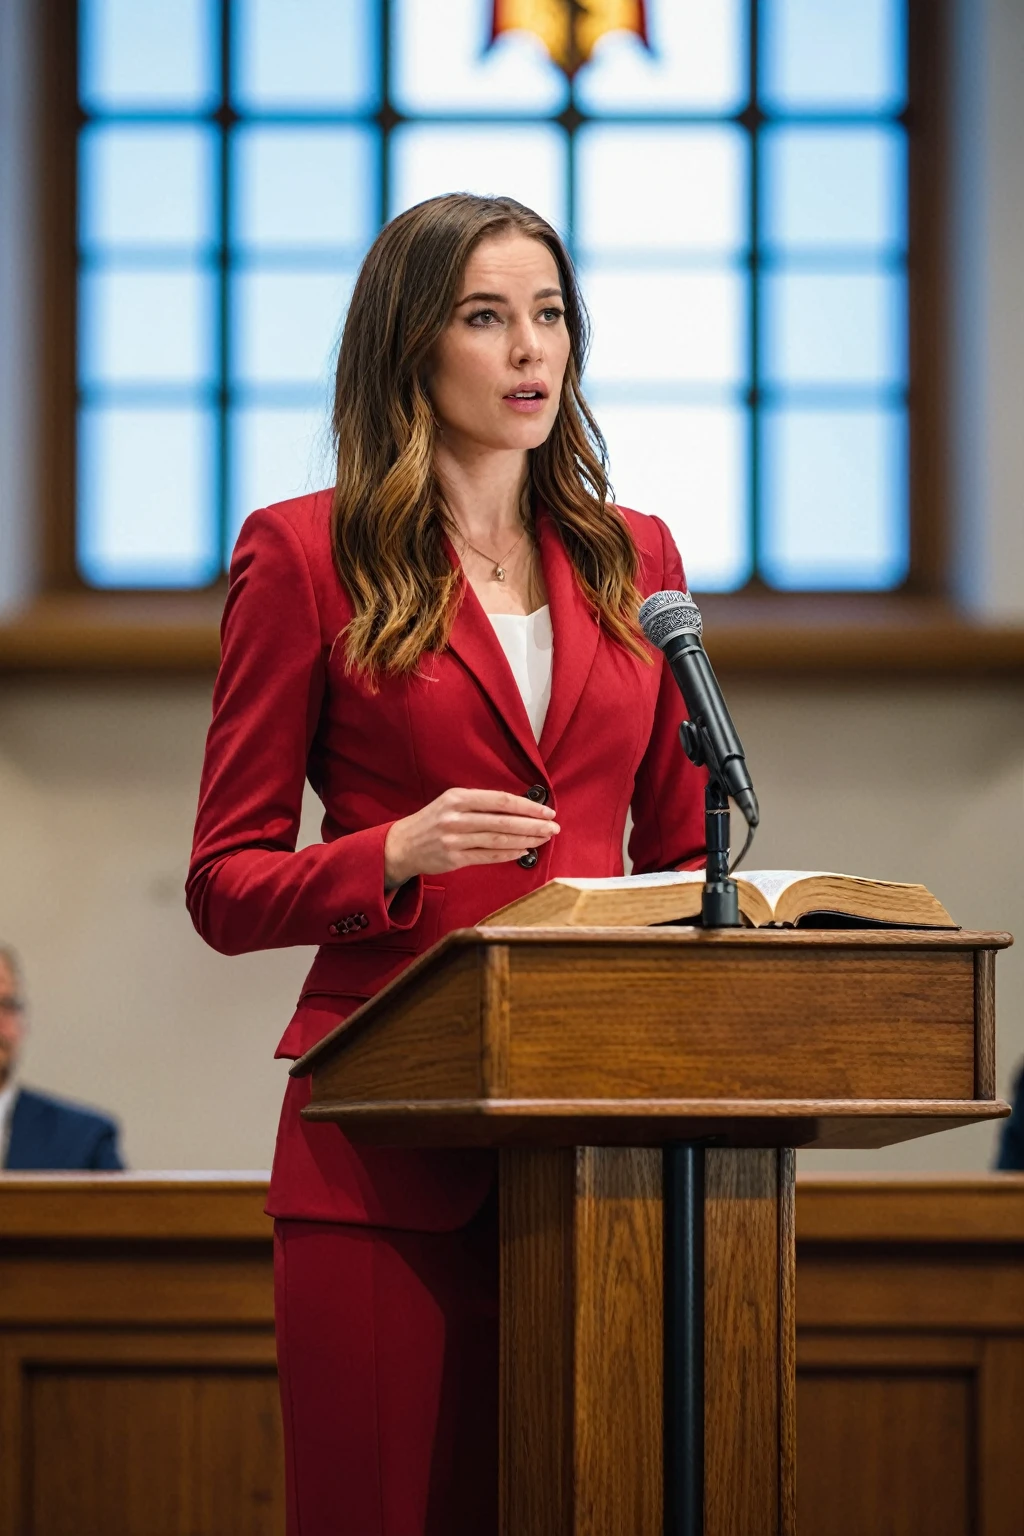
387 1348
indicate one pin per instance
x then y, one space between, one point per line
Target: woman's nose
526 346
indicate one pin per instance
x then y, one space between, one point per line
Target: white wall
98 786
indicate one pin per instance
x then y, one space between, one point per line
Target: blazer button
528 859
538 793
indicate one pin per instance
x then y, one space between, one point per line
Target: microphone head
667 614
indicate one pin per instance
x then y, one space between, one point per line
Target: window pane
148 53
686 464
276 454
666 325
836 498
306 54
442 62
287 324
146 327
145 497
305 187
696 63
527 163
661 189
149 188
834 187
834 328
833 55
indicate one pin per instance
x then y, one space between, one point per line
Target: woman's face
496 371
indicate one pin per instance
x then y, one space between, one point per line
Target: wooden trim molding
141 1207
817 640
910 1208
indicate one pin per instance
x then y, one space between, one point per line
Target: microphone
672 622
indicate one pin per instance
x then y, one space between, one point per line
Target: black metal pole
720 906
683 1448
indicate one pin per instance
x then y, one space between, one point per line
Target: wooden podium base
580 1054
582 1287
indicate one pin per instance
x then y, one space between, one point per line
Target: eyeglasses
11 1005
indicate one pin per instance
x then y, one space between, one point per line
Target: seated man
38 1132
1011 1143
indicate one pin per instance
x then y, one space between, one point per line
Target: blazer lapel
576 633
477 646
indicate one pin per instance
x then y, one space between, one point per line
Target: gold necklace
499 572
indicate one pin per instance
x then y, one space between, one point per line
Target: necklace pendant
499 573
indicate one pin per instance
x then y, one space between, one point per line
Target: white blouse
528 643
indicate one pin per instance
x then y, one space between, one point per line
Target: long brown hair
388 516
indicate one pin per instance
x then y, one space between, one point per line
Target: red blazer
284 710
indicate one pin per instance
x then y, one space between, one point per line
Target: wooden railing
137 1381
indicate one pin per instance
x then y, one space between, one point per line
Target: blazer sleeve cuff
382 911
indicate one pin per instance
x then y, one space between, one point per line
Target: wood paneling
495 1023
151 1450
618 1344
985 1024
582 1293
748 1257
538 1035
841 1024
581 1342
434 1044
910 1356
143 1399
859 1433
138 1389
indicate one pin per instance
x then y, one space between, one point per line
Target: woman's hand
464 826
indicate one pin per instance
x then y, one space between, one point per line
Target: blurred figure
38 1132
1011 1146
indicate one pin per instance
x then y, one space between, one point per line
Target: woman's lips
526 405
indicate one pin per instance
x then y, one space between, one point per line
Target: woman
447 647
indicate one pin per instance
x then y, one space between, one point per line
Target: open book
766 896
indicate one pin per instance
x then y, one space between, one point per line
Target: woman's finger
517 826
470 840
500 801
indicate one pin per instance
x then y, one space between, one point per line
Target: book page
772 882
627 882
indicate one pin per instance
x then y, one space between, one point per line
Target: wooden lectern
647 1089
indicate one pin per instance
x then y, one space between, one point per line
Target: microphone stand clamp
720 899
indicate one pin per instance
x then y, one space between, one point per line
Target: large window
735 194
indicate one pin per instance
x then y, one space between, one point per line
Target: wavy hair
388 517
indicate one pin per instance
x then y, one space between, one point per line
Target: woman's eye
482 317
552 315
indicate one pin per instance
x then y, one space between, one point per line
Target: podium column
581 1431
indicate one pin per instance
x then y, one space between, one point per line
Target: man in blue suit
38 1132
1011 1143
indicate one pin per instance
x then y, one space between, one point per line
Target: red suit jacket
284 709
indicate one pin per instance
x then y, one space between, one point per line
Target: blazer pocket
315 1016
366 967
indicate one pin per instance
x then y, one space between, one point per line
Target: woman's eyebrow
502 298
491 298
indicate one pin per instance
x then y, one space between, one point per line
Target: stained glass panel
835 499
735 197
145 496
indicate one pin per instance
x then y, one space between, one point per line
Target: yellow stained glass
569 29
